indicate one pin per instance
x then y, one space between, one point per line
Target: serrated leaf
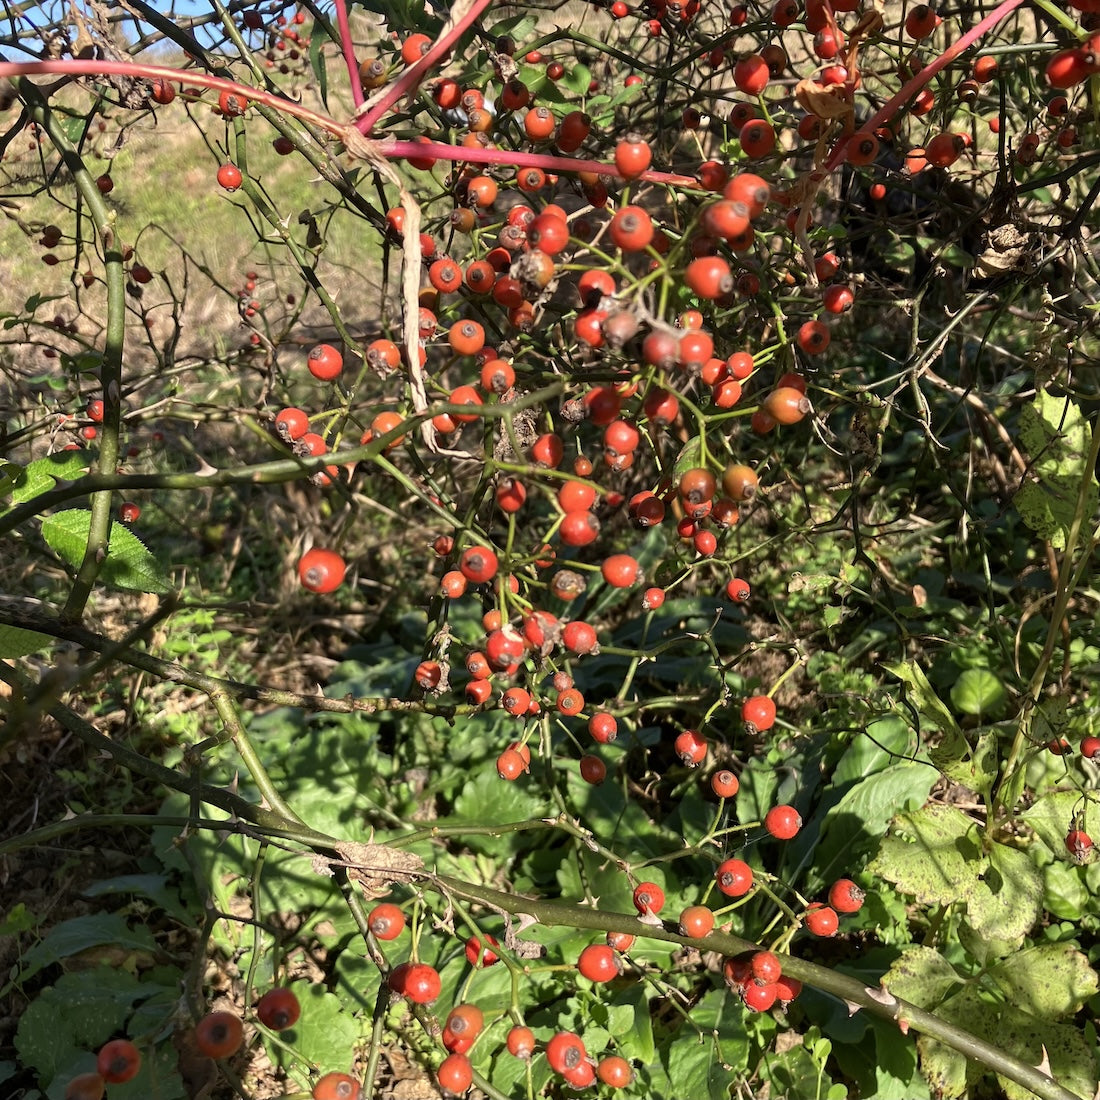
1005 903
10 474
871 803
692 1066
484 799
42 474
15 642
921 975
1071 1058
1051 980
933 854
129 563
1057 437
1050 817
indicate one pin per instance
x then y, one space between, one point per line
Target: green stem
99 532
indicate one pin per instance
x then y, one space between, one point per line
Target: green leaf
854 826
17 920
928 703
693 1067
43 474
577 78
1070 1055
486 801
317 64
325 1033
1050 981
18 643
83 1009
921 975
129 563
933 854
71 937
1050 817
979 692
1057 438
1004 904
636 1042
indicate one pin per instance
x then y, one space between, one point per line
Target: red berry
565 1051
597 963
336 1086
724 783
621 570
118 1061
521 1042
759 998
696 921
845 896
229 177
455 1074
593 770
603 727
648 898
615 1072
278 1009
632 158
85 1086
1090 748
321 571
734 878
758 713
325 362
479 956
219 1034
478 564
765 967
783 822
821 920
1078 844
691 747
386 921
418 982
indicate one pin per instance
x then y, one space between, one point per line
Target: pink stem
910 89
412 76
404 149
437 151
182 77
349 53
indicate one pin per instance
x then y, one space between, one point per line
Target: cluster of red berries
216 1035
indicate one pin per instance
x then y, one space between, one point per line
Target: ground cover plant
551 550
